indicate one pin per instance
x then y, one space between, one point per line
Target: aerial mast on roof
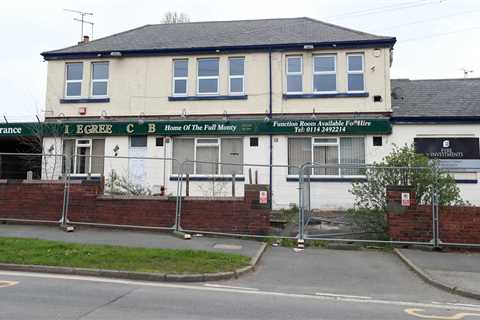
82 20
466 72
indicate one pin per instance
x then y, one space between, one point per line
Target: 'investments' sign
448 148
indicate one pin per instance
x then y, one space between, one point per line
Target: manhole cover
227 246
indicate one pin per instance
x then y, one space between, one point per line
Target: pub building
293 91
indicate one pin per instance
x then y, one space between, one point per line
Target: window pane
210 156
237 66
207 67
325 140
183 150
294 64
99 88
180 68
324 64
325 82
232 152
299 152
355 63
180 86
74 89
207 140
98 151
294 83
68 151
326 155
138 141
100 70
352 151
355 82
208 86
236 85
74 71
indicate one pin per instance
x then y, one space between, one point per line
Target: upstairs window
294 74
180 77
355 70
237 75
99 79
207 79
324 74
74 77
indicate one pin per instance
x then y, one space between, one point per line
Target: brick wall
40 200
414 222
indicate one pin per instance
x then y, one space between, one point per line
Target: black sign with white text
448 148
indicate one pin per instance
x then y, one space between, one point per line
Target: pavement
313 284
148 239
457 270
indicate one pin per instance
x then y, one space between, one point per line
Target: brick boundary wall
414 223
43 200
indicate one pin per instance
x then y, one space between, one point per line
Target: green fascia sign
320 127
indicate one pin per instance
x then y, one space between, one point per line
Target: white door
136 167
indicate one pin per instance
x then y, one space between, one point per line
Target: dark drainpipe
270 117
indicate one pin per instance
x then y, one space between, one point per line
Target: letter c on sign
130 128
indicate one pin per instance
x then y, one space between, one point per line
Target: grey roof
436 98
223 34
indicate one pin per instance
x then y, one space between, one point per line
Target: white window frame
89 144
334 72
179 78
99 80
72 81
218 144
230 77
217 77
293 73
336 143
356 71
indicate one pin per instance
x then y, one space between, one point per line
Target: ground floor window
207 153
83 156
327 151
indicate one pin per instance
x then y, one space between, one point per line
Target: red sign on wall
263 197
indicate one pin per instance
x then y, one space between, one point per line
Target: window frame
334 72
218 144
72 81
230 77
174 78
92 80
217 77
362 72
337 143
296 73
76 145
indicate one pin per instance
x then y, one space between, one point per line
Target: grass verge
56 253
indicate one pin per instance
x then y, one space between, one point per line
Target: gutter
435 119
58 55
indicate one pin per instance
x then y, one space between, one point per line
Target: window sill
325 95
85 100
198 177
212 97
293 178
466 181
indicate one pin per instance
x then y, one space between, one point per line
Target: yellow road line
458 316
4 284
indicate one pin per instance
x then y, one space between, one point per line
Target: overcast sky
435 38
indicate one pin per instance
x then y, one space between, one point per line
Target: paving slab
457 269
145 239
